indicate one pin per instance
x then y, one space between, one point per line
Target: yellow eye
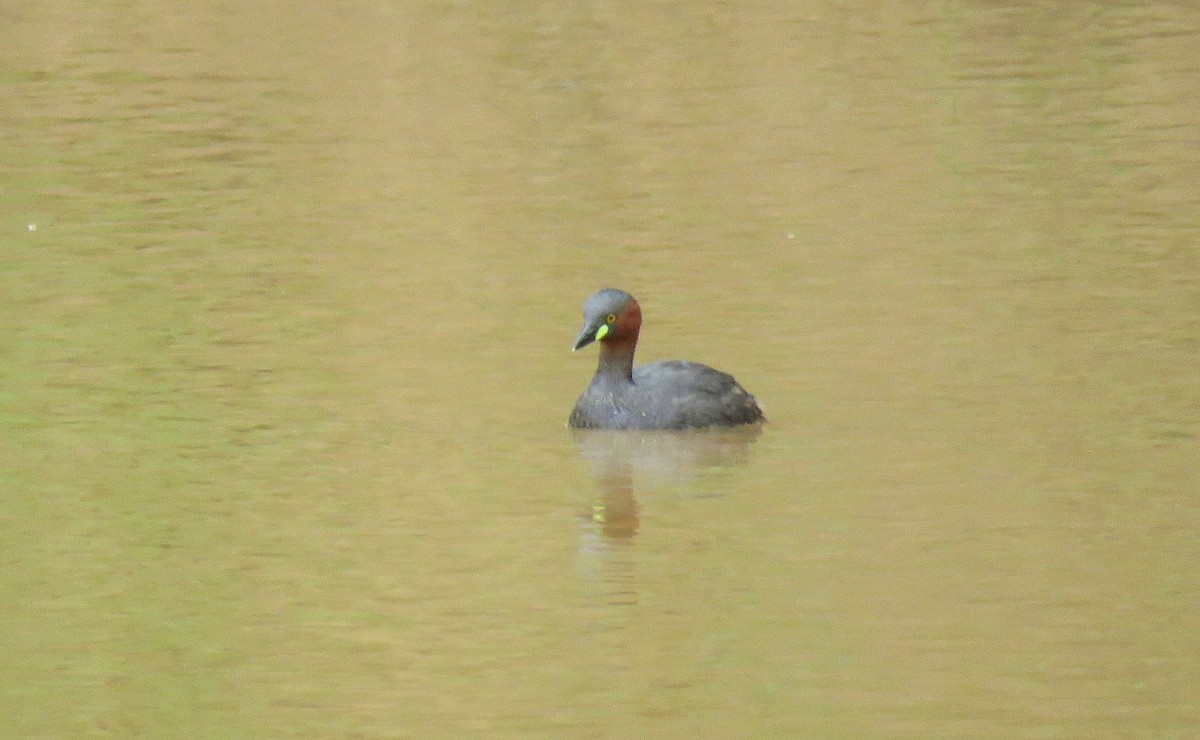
610 318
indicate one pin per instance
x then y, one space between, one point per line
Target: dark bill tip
584 339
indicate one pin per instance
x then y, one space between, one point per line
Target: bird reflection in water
626 463
623 462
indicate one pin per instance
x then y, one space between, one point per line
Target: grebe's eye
611 318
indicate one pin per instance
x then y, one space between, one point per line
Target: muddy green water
286 299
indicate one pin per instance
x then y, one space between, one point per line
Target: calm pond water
288 297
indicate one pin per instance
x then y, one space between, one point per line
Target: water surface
288 300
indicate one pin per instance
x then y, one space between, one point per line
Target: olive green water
287 300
